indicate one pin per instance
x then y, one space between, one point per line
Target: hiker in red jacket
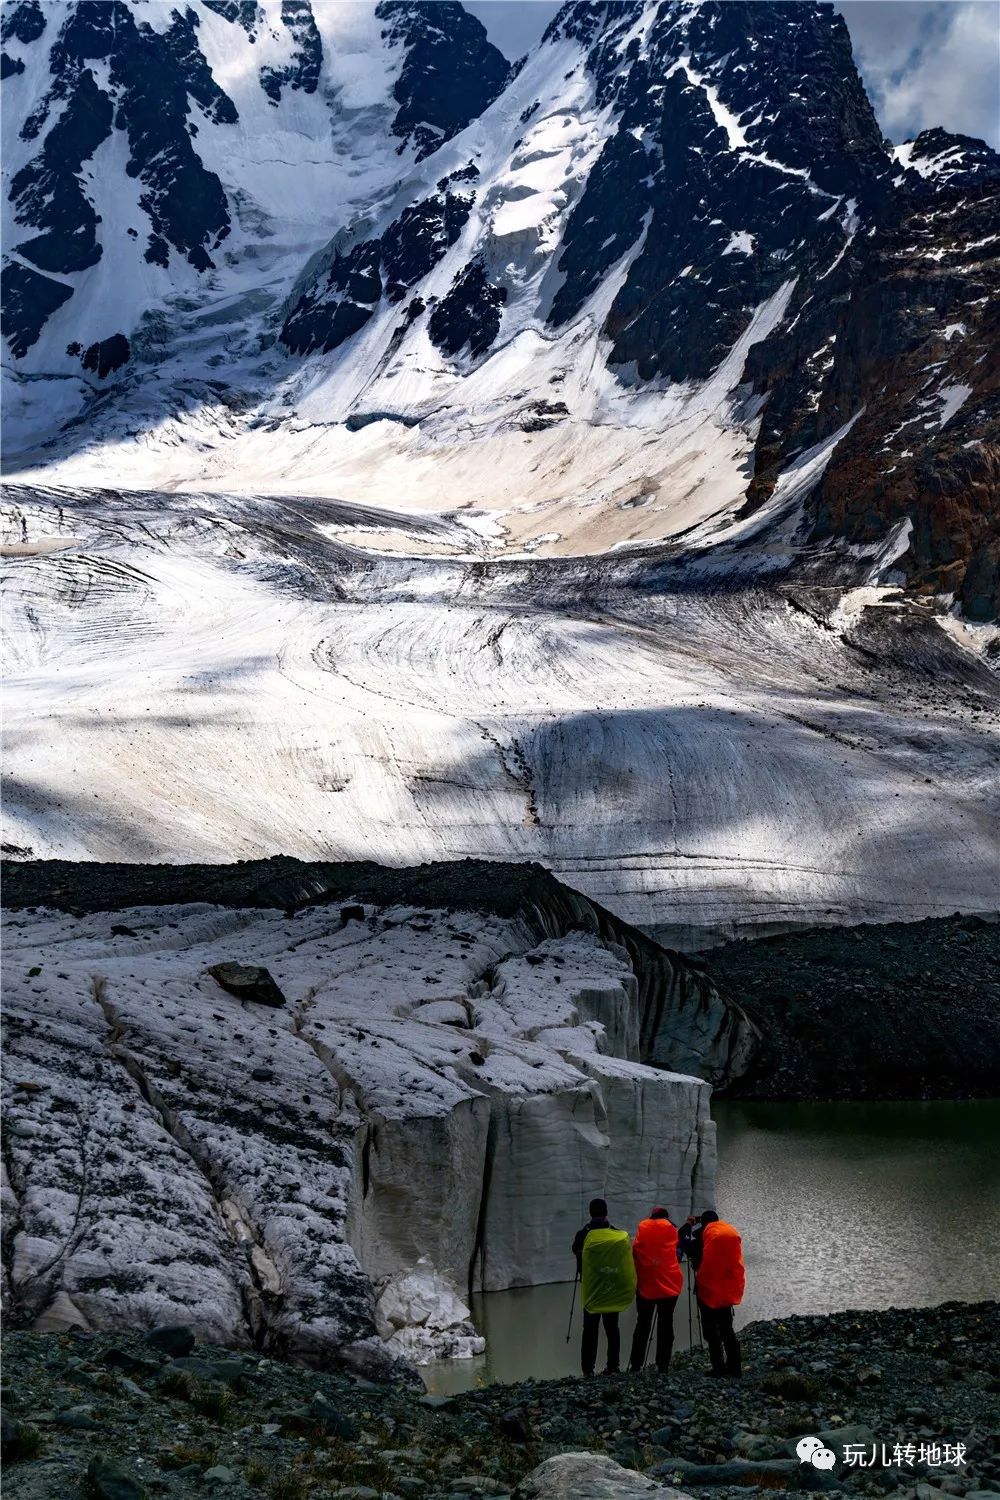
717 1254
658 1282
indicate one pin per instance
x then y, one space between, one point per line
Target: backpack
654 1251
721 1279
607 1284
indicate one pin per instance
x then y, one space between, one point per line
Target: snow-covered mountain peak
601 298
940 157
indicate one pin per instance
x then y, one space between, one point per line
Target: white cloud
927 63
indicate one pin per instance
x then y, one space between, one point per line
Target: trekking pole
649 1336
572 1308
687 1278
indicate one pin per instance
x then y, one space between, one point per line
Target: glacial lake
840 1206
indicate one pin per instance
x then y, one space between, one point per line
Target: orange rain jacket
654 1250
721 1278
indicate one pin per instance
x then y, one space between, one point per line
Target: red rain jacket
721 1278
654 1250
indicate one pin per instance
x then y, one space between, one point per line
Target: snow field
203 677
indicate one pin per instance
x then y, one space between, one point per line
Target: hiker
658 1285
607 1284
715 1250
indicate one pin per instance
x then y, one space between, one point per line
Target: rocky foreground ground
130 1415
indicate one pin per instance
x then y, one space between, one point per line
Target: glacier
196 677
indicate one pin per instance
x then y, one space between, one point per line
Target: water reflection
840 1205
862 1205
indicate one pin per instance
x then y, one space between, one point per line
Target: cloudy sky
925 62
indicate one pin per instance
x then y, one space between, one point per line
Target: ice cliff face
608 296
428 1113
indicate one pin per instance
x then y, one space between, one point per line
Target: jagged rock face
714 206
729 199
441 1084
663 266
450 73
917 350
328 314
904 346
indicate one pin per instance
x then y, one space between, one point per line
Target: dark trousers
662 1308
588 1349
720 1336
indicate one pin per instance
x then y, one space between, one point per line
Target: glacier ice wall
440 1087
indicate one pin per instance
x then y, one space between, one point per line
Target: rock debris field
152 1416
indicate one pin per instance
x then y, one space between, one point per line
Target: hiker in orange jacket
658 1283
717 1255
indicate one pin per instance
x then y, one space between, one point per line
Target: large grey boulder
588 1476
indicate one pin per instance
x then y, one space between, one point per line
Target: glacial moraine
899 1377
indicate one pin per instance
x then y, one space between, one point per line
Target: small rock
438 1403
228 1372
756 1445
78 1419
514 1424
353 913
262 1075
586 1476
248 982
121 1359
334 1423
219 1474
131 1389
110 1480
172 1338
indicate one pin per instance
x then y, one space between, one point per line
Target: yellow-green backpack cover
607 1283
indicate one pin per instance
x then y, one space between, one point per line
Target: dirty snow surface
702 747
327 1178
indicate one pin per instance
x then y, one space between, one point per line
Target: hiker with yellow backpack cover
606 1272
